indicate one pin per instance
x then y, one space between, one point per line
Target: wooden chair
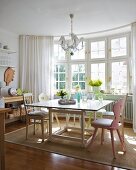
38 116
118 109
44 97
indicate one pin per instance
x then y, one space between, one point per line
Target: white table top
90 105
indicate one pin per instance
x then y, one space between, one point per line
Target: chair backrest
43 97
118 109
28 99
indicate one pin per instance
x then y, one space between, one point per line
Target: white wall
10 39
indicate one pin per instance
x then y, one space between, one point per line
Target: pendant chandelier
73 43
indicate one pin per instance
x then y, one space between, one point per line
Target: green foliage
21 91
77 86
95 82
61 93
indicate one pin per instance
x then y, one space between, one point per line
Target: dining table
77 108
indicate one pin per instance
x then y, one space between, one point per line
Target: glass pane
81 68
56 85
59 53
118 47
94 46
75 77
62 85
82 85
123 42
98 72
120 81
79 54
78 74
81 76
98 49
56 68
74 84
102 54
61 77
102 45
56 77
75 68
62 68
94 68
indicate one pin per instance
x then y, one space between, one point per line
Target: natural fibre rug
97 153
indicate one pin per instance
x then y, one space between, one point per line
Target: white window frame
120 58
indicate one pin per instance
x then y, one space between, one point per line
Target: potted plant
95 84
61 93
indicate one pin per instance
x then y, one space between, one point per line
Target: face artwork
8 75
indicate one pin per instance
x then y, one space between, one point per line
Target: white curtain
36 57
133 34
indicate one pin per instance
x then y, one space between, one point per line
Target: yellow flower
95 82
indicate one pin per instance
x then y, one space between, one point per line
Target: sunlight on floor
134 149
121 153
39 141
54 129
131 139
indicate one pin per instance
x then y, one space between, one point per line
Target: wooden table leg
50 124
83 128
2 130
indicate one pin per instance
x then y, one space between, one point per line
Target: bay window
104 58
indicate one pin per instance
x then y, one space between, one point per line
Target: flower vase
96 89
78 96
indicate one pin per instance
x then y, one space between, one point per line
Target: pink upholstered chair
111 125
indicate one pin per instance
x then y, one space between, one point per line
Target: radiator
128 116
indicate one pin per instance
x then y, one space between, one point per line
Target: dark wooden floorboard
25 158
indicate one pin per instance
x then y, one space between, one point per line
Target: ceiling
51 17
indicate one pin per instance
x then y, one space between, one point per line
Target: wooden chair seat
102 123
37 113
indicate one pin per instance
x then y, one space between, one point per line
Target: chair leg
93 137
67 119
102 136
47 123
74 119
89 120
121 141
42 128
27 123
34 127
112 141
58 122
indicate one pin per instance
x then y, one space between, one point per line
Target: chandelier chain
71 16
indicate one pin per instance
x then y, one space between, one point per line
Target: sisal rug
97 153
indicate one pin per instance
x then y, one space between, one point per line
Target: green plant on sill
95 83
77 87
61 93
